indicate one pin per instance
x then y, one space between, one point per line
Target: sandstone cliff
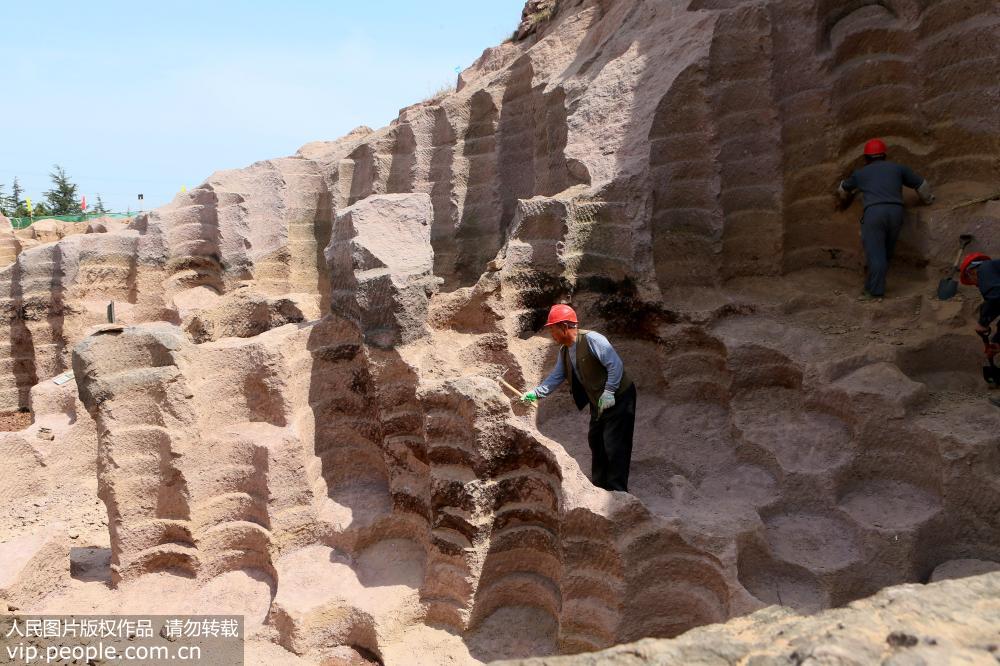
302 387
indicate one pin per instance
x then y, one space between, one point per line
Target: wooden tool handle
508 386
512 389
961 248
958 258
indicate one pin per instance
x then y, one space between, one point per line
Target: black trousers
990 311
880 229
610 439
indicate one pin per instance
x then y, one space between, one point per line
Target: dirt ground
14 421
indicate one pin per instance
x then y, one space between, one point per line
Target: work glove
606 401
925 193
529 397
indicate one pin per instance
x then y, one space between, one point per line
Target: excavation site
307 408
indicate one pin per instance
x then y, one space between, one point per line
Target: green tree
99 208
62 198
38 209
16 192
12 203
4 202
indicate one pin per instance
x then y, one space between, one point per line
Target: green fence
23 222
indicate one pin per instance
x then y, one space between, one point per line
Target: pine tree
4 202
62 198
20 205
15 196
99 208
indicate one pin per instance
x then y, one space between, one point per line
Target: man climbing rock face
881 184
598 378
979 270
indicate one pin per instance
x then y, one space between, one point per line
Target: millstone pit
297 417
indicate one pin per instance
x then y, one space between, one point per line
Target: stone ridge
891 627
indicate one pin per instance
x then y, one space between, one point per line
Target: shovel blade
947 288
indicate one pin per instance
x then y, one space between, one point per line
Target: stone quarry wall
303 383
705 139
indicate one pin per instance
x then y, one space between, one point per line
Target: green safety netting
22 222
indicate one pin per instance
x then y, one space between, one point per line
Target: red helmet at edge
875 147
561 313
963 271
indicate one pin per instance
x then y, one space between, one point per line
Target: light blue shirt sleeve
609 358
555 378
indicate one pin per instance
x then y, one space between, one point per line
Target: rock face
9 246
244 313
48 231
891 627
296 416
235 455
381 259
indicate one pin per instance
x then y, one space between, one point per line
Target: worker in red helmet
597 378
979 270
881 184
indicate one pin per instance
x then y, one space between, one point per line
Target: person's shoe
867 297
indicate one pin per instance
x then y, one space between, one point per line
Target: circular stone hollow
890 505
802 441
513 632
777 583
819 543
948 363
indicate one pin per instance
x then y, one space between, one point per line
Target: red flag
83 203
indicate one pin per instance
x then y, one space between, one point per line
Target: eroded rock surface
297 418
244 313
893 627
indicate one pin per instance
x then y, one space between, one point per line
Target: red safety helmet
963 271
875 147
561 313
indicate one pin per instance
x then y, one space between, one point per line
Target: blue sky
136 97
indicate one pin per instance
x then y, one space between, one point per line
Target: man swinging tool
881 183
979 270
598 378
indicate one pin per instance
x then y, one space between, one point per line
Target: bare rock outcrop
48 231
355 474
201 479
244 313
184 470
381 264
891 627
535 13
103 225
9 245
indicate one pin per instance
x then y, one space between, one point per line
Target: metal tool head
947 289
991 374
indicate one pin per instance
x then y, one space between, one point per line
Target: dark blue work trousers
880 229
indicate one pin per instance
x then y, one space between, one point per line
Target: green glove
529 397
606 401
